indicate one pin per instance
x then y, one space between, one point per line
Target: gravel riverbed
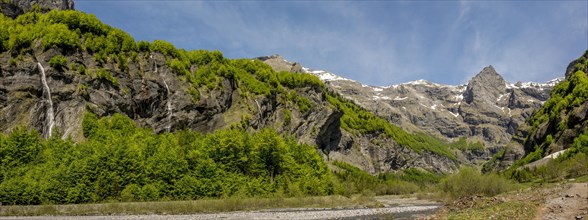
369 213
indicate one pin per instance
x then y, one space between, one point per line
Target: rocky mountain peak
485 86
278 62
14 8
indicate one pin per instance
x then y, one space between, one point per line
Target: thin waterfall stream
168 106
49 117
168 101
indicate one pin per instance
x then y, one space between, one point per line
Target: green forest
122 162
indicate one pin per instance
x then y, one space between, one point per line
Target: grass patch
188 207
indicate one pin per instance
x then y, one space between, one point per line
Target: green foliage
82 69
304 105
359 119
463 144
165 48
255 76
537 154
59 36
421 177
352 180
144 46
469 181
573 163
12 62
58 63
567 166
287 117
122 62
179 67
64 30
299 80
570 93
488 166
104 74
85 23
554 117
580 145
120 161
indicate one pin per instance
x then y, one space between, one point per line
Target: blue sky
374 42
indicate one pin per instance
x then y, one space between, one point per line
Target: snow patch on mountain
324 75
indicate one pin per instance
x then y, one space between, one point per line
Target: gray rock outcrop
14 8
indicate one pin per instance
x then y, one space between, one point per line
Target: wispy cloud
377 43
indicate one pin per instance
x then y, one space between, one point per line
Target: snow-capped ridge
536 85
324 75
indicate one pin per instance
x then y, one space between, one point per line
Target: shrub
58 35
122 63
58 63
82 69
304 105
469 181
164 47
104 74
143 46
287 117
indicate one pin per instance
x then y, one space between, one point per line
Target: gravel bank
300 214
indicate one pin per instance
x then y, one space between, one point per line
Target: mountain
486 110
58 67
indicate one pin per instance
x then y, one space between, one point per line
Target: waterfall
168 101
168 106
49 118
154 63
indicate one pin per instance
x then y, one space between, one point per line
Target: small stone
579 217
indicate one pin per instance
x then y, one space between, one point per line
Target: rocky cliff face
14 8
142 94
487 109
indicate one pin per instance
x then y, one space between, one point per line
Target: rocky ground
375 213
390 207
570 203
562 201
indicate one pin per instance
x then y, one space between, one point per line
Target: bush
287 117
469 181
58 35
105 74
122 63
164 47
58 63
82 69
